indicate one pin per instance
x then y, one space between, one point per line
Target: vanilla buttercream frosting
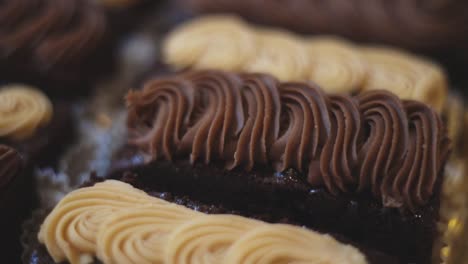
117 223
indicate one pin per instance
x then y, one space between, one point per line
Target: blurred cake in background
60 45
421 25
16 199
34 132
37 127
228 43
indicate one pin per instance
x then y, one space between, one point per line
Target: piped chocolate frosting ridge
10 165
41 35
372 142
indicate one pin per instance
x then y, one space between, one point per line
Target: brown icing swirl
10 165
373 142
386 144
262 107
338 159
427 149
49 33
305 117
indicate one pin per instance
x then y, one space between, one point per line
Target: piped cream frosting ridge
338 66
118 223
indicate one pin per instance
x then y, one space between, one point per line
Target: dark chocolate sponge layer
19 198
16 200
37 253
358 218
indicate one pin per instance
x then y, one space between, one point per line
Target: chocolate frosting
426 25
48 33
373 142
10 165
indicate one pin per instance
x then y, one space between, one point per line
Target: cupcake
366 169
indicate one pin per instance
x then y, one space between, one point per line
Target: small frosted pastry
304 155
371 142
227 43
22 111
120 224
31 136
56 42
366 168
31 123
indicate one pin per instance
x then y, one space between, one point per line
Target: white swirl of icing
69 231
226 43
206 239
279 54
287 244
407 76
23 110
140 235
120 224
229 45
335 65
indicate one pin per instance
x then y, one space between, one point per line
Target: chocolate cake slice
336 65
116 198
367 167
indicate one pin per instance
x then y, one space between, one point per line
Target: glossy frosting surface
373 142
